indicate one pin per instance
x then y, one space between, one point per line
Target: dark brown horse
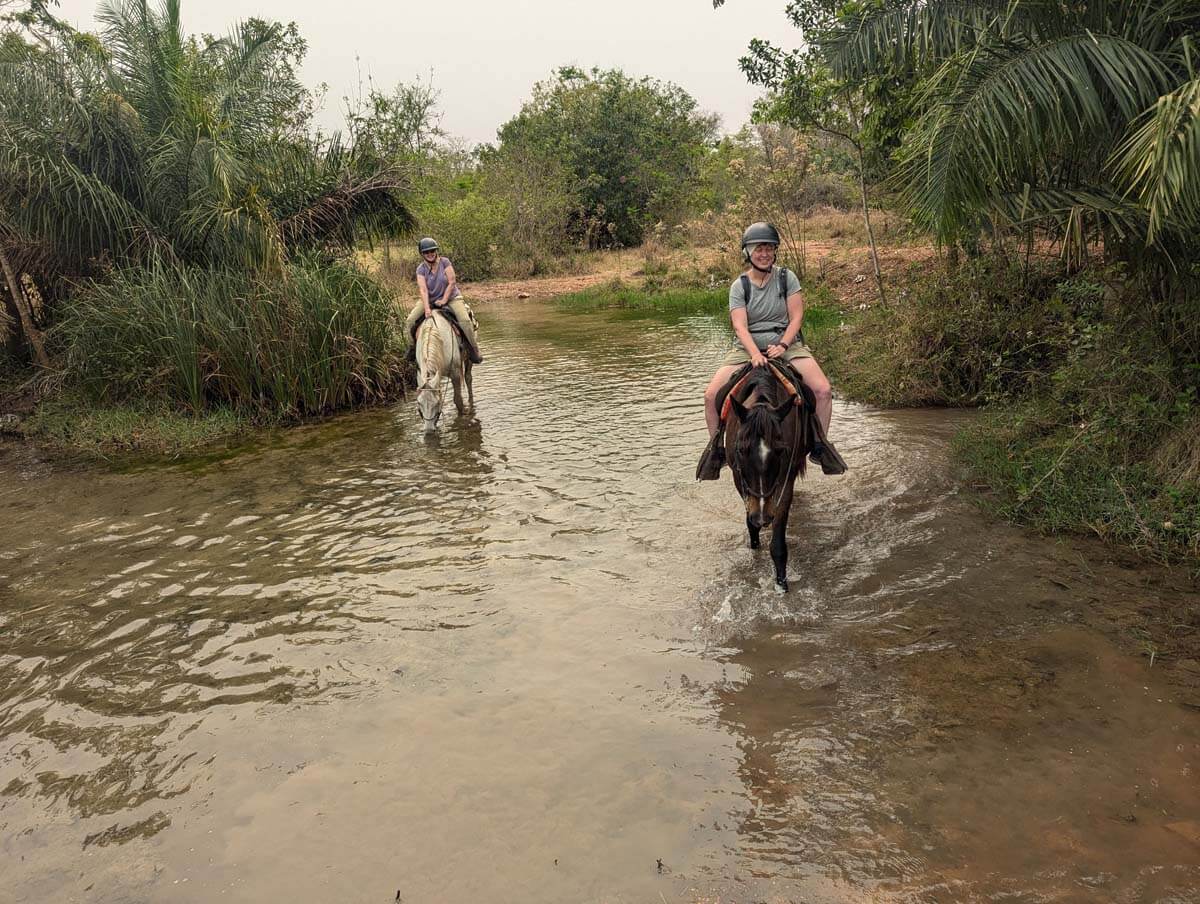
768 435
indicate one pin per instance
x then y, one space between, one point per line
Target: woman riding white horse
439 357
437 289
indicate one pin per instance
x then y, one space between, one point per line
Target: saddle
713 457
463 342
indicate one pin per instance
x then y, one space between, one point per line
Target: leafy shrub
959 337
468 231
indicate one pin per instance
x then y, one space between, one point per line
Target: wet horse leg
779 550
754 531
467 367
456 380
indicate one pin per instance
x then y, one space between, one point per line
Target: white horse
439 356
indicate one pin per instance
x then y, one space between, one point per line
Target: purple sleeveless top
437 281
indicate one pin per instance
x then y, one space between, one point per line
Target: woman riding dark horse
768 405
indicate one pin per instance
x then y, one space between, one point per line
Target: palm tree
1084 118
143 146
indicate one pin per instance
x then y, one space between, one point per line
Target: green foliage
1096 426
869 111
321 337
468 229
1082 120
145 145
957 338
536 192
1112 448
401 126
669 296
622 295
633 147
74 423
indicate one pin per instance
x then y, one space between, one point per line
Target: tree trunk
32 333
862 184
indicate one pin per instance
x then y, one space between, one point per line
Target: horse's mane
431 351
760 424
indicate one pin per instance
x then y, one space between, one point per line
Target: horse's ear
738 408
781 410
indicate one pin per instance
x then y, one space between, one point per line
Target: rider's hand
758 359
776 350
428 312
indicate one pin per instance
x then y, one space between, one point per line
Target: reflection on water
529 659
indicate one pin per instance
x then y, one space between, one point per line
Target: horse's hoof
781 586
754 544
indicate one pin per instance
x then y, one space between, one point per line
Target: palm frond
915 31
1159 161
1010 111
335 198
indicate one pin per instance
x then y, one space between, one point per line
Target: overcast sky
485 56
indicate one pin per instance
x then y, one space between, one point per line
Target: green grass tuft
71 423
819 317
623 296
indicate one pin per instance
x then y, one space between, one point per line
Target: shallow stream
531 660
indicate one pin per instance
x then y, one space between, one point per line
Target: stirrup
828 458
712 459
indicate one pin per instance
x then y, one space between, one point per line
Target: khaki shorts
738 355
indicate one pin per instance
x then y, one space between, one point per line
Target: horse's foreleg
753 529
470 385
779 550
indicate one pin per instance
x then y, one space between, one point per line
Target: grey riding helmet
758 234
427 244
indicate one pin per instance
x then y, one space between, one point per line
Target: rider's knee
822 391
710 394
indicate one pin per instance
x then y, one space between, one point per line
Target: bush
1099 430
468 231
321 337
827 190
959 338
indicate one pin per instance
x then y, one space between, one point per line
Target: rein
777 488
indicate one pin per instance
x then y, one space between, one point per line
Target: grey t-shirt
766 312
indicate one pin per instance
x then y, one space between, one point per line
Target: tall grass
320 336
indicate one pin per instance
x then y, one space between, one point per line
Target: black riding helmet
428 244
758 234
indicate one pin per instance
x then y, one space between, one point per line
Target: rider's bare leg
815 379
720 378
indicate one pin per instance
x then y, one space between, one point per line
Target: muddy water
531 660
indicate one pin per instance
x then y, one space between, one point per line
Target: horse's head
763 454
432 366
429 404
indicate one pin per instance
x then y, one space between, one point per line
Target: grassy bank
622 295
73 425
1091 389
821 315
165 361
